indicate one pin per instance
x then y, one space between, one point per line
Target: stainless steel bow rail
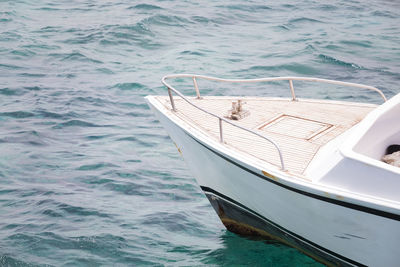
220 119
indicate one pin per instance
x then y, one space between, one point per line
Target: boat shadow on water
252 250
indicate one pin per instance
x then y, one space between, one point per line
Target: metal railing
221 119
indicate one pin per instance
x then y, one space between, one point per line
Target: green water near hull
87 174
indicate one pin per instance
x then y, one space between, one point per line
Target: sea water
87 174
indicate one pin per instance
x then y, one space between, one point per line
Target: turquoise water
87 174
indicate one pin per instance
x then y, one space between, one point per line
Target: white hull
331 228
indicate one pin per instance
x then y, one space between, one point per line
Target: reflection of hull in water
333 226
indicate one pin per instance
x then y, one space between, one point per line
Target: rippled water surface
87 174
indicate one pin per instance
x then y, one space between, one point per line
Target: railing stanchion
196 87
171 99
221 136
281 158
292 90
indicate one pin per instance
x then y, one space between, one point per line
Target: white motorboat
306 172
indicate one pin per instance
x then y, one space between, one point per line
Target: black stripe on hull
239 219
361 208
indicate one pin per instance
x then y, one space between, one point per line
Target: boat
305 172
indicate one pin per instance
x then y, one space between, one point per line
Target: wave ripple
88 177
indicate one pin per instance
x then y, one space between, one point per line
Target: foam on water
87 174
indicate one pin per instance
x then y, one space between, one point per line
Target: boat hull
248 201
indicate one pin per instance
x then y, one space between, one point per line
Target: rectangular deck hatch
295 127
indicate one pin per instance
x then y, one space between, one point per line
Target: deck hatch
295 127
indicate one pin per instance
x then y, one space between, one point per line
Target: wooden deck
300 127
